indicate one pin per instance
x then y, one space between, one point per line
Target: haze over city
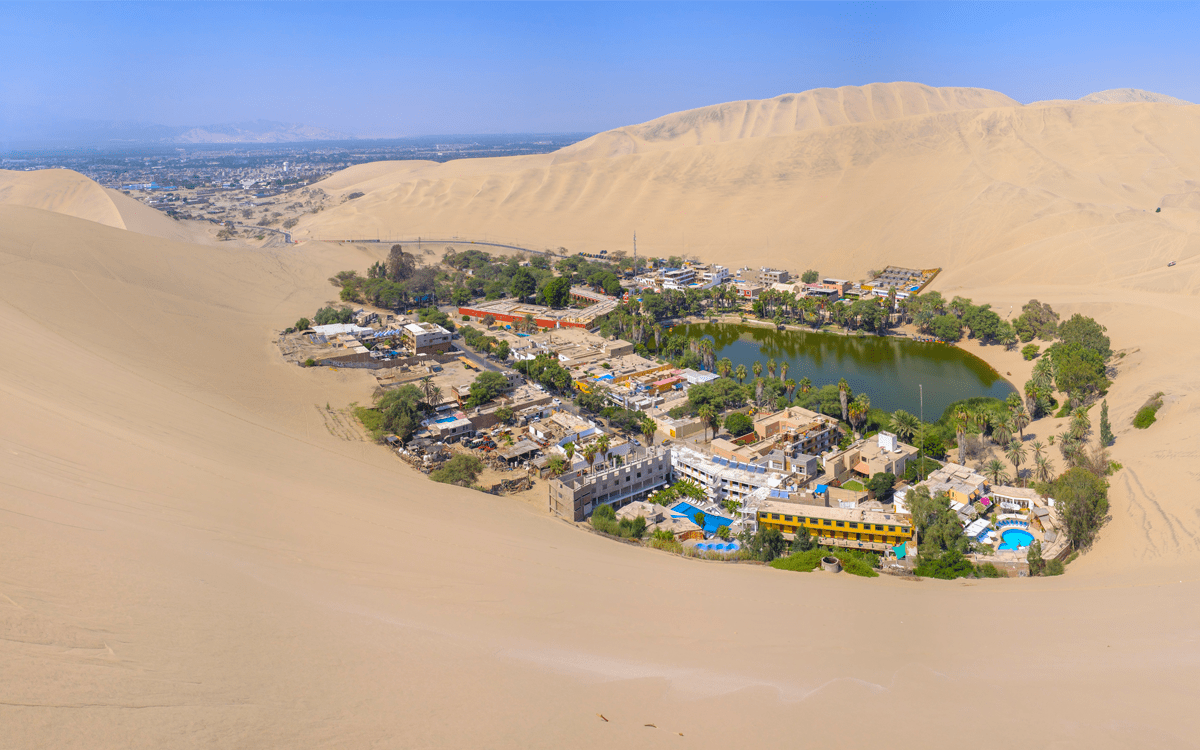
572 375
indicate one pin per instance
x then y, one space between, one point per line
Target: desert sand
189 556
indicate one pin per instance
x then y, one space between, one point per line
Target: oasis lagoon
889 369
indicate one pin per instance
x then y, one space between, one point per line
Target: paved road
452 240
476 358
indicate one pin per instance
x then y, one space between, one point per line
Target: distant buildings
764 276
854 528
511 311
866 458
427 338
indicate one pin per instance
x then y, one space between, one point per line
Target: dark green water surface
888 369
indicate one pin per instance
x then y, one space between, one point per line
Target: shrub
462 470
310 362
987 570
1054 568
303 324
1148 414
951 564
1030 351
354 195
372 419
739 424
853 562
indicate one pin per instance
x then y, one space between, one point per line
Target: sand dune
191 555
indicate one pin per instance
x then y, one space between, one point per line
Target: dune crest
61 191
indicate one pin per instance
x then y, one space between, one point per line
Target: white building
723 479
425 338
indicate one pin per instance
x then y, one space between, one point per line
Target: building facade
576 494
853 528
427 338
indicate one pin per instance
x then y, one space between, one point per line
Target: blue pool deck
711 522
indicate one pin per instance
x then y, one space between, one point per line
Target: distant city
268 168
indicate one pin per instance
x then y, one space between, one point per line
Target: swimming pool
717 546
444 420
711 523
1015 539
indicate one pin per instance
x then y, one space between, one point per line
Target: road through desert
190 556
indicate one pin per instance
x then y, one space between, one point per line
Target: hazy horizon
415 70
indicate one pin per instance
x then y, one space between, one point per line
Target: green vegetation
303 324
372 419
462 470
1082 500
486 386
810 276
739 424
853 562
952 564
684 489
1030 351
765 544
1148 414
604 519
1106 433
1036 320
402 409
328 315
854 484
881 484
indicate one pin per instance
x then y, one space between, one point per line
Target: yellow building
854 528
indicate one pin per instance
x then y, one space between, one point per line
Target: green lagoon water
888 369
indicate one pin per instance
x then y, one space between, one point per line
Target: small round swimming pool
1015 539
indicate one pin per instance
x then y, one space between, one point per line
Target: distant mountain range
104 132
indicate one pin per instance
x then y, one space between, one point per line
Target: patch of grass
853 562
1065 411
371 419
1148 414
855 485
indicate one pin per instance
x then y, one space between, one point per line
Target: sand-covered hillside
70 193
191 554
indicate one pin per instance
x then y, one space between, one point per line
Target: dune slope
191 557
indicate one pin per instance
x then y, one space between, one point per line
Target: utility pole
921 466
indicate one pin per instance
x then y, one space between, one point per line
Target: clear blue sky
410 69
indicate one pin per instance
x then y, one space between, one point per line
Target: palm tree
724 367
994 471
905 425
962 418
1016 455
706 415
569 449
771 367
1020 419
427 387
859 409
1041 468
740 373
589 453
757 368
844 397
1031 396
649 427
805 385
602 445
1038 449
1043 374
1081 423
783 368
1001 429
790 387
434 397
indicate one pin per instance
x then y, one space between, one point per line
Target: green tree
810 276
1030 351
557 292
487 386
844 398
1037 566
462 469
1016 455
881 484
1087 333
905 425
994 471
1081 498
501 351
1106 433
739 424
505 414
303 324
523 285
946 328
740 373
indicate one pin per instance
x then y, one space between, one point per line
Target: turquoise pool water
711 523
1015 539
444 420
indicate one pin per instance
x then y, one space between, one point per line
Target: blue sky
414 68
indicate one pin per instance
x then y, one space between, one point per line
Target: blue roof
822 488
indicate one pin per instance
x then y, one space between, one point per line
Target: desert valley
194 548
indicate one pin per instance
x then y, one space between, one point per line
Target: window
840 524
854 524
639 475
903 530
891 528
826 522
879 527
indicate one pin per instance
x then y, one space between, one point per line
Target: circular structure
1015 539
831 564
